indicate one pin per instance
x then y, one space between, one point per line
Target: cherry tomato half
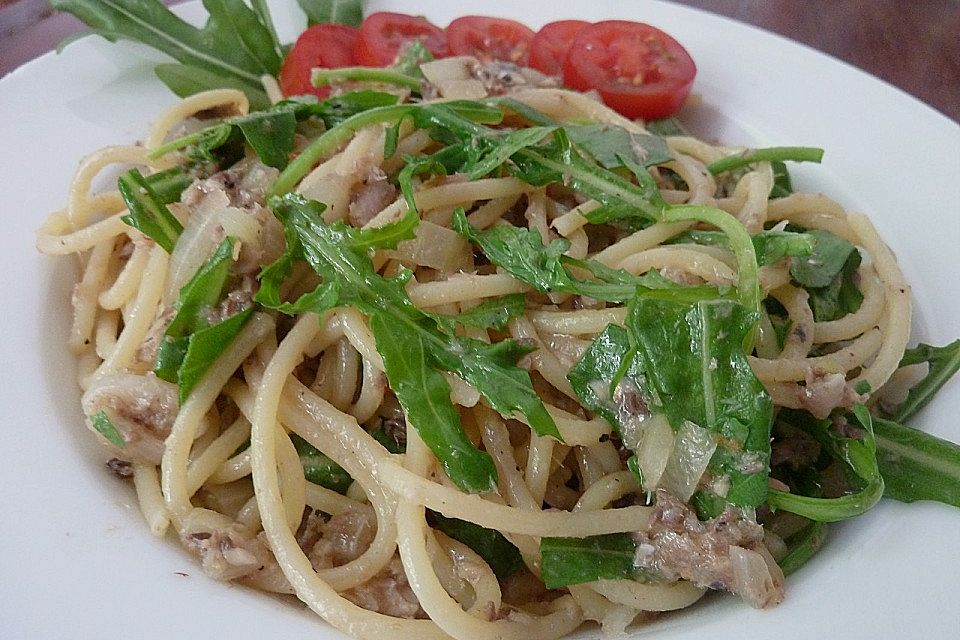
549 47
322 45
638 70
489 39
383 34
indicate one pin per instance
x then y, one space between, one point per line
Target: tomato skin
490 39
551 44
382 35
322 45
638 70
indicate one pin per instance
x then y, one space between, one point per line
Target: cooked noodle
322 380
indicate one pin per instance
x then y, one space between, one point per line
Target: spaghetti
224 465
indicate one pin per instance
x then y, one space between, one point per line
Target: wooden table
912 44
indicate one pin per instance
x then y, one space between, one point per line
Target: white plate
78 560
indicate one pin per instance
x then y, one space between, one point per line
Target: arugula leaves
803 546
233 49
349 12
413 55
859 454
318 468
666 127
489 314
169 185
191 342
498 552
414 347
916 465
613 147
768 154
425 396
828 274
944 362
566 561
320 77
148 211
522 253
104 426
770 246
687 362
607 366
694 361
272 132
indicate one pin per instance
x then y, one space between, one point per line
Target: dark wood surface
912 44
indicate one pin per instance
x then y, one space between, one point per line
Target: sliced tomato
322 45
549 47
490 39
638 69
383 34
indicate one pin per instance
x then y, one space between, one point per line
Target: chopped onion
693 447
436 247
758 582
240 225
446 69
201 234
462 89
454 77
655 450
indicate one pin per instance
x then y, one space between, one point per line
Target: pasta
224 466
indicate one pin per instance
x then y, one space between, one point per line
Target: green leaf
492 370
521 252
770 246
414 347
566 561
782 184
596 376
769 154
170 184
204 347
528 113
508 145
610 145
185 80
413 55
916 465
504 558
493 313
803 546
825 263
944 362
860 456
349 12
199 143
318 468
201 292
190 343
694 361
424 395
841 297
320 76
666 127
271 134
147 210
234 43
170 354
101 422
829 274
